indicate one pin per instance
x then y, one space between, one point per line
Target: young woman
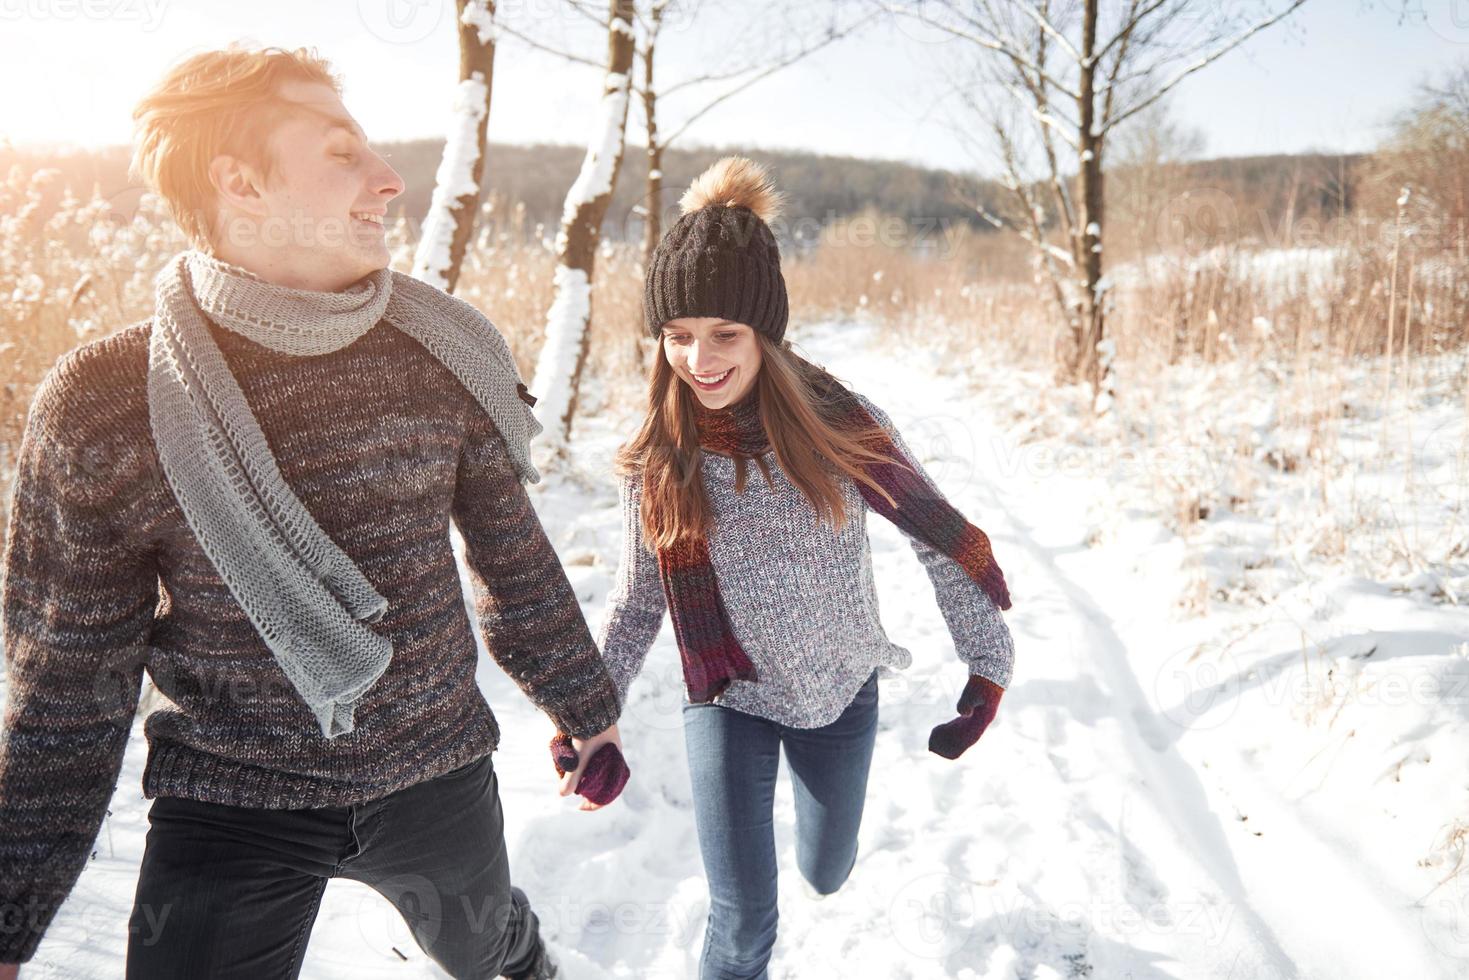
768 578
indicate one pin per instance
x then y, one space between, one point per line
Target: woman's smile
712 382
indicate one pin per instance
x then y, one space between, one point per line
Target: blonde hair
224 101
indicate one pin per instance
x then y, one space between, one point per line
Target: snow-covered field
1223 753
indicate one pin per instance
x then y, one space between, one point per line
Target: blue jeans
733 761
232 892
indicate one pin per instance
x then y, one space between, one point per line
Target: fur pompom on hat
720 258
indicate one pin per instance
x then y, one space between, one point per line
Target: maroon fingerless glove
606 772
977 706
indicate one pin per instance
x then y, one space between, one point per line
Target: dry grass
87 269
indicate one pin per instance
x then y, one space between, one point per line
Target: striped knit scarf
711 654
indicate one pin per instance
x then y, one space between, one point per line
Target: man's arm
532 624
78 603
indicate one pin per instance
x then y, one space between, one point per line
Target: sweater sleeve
525 605
78 602
635 606
981 635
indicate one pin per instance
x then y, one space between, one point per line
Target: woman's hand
977 706
593 767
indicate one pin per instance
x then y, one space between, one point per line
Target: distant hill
818 187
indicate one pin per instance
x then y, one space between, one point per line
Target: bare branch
1219 52
832 35
1136 17
1044 23
540 46
1032 232
705 79
1063 127
591 12
1108 100
1005 46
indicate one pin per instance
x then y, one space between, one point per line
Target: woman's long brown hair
813 440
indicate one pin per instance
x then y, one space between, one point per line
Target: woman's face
709 349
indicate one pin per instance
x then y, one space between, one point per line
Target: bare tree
735 80
450 220
558 372
564 352
1427 152
1072 74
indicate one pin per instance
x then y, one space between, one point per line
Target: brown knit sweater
102 578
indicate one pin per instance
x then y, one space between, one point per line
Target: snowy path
1080 837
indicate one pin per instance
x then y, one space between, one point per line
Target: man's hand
9 971
605 772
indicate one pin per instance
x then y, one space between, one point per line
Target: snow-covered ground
1221 756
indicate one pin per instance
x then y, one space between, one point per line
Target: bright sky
72 69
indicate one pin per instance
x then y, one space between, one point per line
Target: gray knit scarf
308 600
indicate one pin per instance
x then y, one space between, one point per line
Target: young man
249 495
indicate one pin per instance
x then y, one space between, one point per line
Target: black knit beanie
720 258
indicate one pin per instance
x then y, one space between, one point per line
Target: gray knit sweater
800 596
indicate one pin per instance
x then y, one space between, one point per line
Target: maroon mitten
605 775
977 707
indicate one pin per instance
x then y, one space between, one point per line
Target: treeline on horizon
818 188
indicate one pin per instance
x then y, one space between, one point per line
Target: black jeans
232 892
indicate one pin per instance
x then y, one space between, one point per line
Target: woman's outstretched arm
635 606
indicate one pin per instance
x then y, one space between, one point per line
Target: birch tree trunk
449 224
564 353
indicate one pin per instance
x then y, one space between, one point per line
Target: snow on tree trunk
564 352
449 224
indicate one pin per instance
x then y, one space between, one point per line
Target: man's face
319 220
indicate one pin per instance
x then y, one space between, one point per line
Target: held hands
977 706
593 767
